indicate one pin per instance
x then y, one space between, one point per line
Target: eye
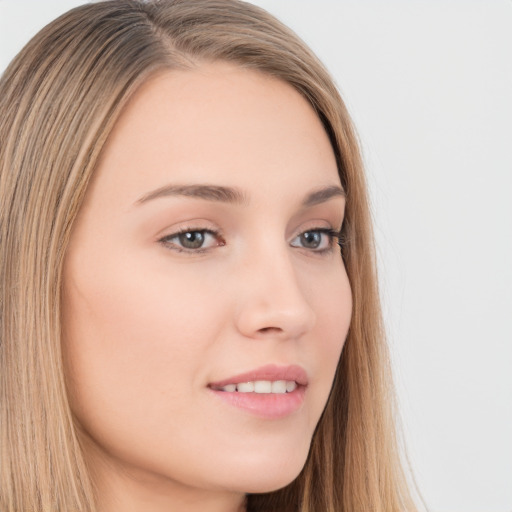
318 240
192 240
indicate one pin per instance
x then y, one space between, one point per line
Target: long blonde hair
59 100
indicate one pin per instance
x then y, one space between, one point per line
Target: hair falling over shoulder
59 99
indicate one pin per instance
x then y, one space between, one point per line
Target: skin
148 324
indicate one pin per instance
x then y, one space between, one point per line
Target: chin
265 484
258 479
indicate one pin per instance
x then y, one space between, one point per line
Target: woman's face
203 259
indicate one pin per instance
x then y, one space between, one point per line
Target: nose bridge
273 300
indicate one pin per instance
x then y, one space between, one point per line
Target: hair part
59 100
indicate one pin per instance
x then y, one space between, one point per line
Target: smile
260 386
270 392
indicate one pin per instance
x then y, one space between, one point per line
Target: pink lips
271 405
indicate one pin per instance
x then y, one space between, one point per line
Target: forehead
221 124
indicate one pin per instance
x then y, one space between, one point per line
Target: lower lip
265 405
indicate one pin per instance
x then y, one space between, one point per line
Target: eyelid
165 240
334 239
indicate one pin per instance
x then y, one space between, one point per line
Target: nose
271 302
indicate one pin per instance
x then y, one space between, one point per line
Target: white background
429 85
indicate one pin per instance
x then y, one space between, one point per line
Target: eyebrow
208 192
233 195
322 195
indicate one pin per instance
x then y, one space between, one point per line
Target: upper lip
270 372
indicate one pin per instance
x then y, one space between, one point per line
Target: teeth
279 386
245 387
290 386
262 386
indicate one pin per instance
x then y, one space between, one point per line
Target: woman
179 328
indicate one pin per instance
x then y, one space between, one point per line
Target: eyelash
335 238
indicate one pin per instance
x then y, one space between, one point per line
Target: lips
271 372
260 392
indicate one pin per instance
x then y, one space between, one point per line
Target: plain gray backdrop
429 85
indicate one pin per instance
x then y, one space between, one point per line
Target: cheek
135 351
333 307
336 313
132 340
